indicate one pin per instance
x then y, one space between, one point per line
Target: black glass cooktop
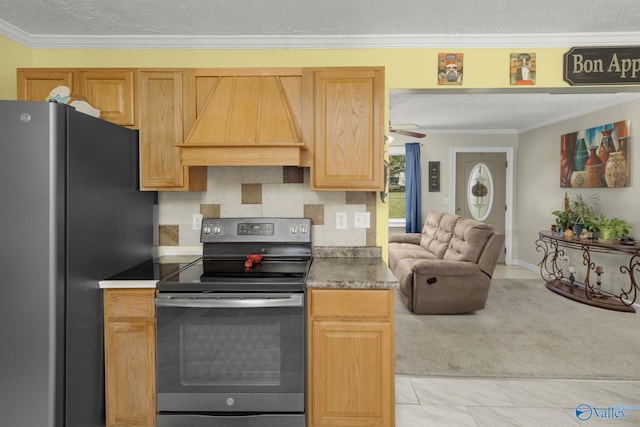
233 275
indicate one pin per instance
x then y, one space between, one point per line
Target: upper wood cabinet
110 90
347 105
166 113
35 84
330 119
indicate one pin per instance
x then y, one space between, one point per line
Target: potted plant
590 226
562 219
614 228
580 209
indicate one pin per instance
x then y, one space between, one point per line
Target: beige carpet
525 331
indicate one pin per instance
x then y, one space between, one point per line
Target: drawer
129 303
349 303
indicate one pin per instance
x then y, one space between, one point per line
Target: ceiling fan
404 130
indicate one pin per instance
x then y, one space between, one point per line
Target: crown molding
371 41
14 33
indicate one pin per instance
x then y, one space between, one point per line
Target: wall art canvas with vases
596 157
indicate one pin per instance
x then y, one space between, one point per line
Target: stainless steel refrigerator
70 215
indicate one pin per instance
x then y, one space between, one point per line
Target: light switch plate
197 222
341 220
362 220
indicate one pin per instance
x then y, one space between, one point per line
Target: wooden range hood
251 117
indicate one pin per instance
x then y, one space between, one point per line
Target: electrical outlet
361 220
341 220
197 222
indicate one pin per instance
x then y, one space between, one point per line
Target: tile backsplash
265 192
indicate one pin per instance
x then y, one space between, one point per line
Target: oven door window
230 350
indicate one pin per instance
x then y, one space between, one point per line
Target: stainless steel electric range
231 327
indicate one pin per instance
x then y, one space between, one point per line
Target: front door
481 188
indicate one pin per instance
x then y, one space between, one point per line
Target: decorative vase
577 228
579 179
621 129
623 145
606 145
615 170
580 155
595 169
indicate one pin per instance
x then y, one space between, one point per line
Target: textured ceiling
349 23
313 17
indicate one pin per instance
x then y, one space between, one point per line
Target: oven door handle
239 302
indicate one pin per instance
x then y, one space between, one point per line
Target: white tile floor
472 402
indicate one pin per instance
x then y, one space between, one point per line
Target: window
480 192
397 205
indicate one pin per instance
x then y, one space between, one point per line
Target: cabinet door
36 84
352 374
130 357
348 129
112 92
164 118
130 373
351 358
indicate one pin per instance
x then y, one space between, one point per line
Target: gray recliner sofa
447 268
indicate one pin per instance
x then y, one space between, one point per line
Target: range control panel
257 229
276 230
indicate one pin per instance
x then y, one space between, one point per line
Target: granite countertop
350 268
332 267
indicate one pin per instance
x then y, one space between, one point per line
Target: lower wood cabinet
351 350
130 357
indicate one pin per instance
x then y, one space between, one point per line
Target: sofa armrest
445 268
405 238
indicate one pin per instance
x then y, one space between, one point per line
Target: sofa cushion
399 251
437 232
468 241
430 227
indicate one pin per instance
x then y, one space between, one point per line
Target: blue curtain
413 188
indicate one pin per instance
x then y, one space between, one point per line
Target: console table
553 245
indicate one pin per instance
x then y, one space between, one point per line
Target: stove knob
206 229
293 229
217 229
303 229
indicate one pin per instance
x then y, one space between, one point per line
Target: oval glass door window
480 192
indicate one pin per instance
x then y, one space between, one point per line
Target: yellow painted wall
404 68
14 56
